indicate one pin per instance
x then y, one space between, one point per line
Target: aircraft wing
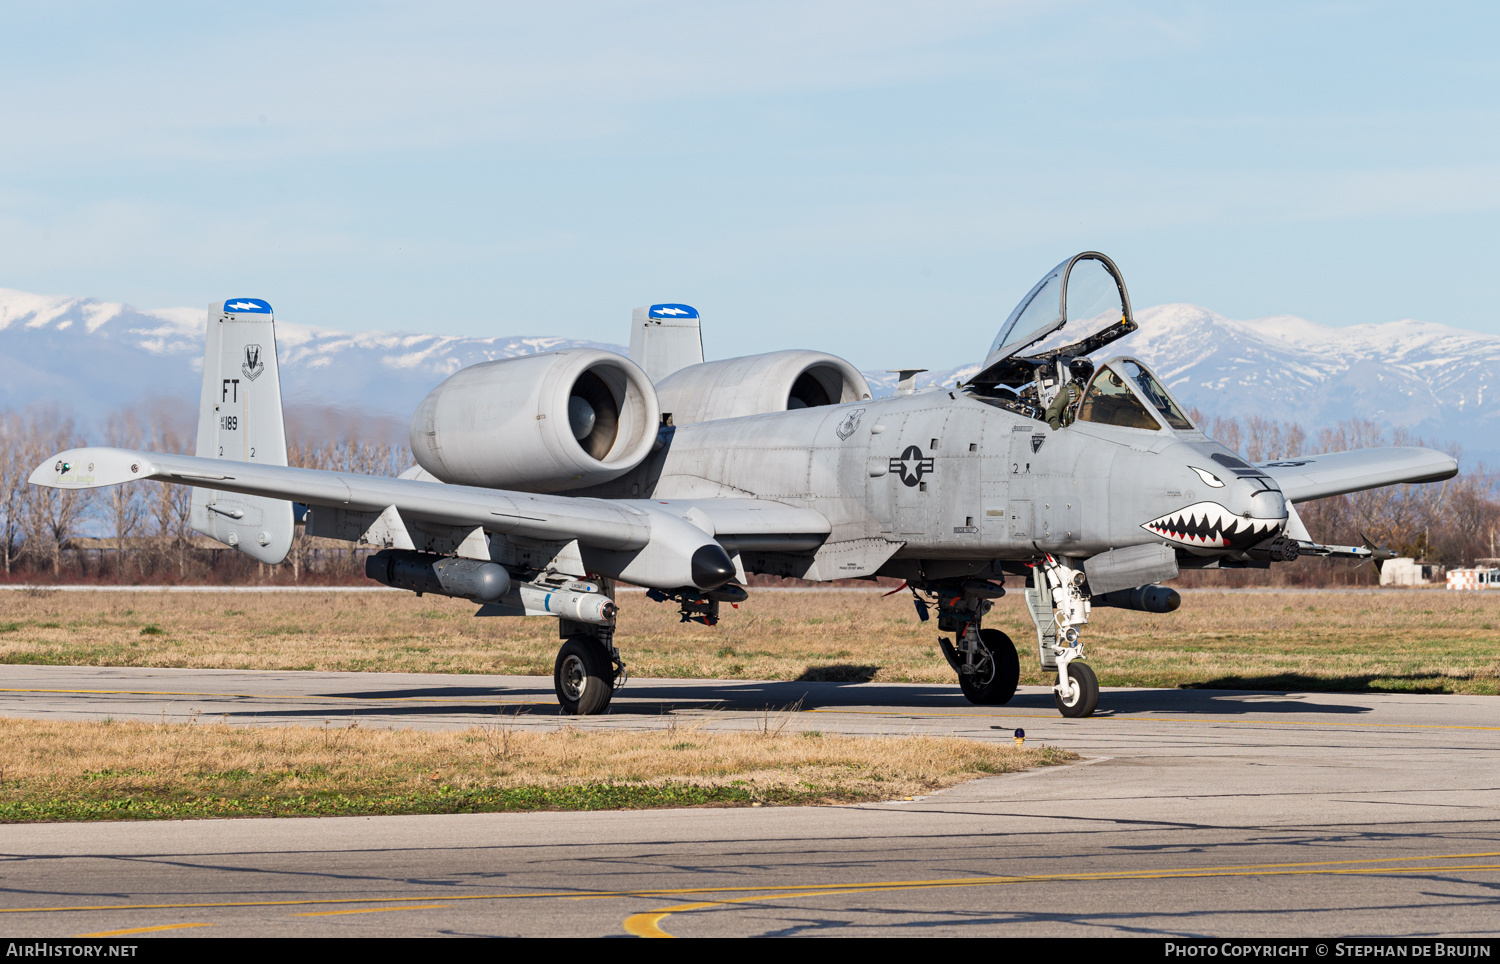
1321 476
667 531
753 524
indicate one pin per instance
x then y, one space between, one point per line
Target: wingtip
91 468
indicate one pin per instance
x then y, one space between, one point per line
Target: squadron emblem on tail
252 366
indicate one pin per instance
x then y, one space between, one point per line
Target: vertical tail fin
664 339
239 419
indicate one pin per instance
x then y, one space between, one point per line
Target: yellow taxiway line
1152 719
370 910
650 919
648 924
822 709
142 930
265 696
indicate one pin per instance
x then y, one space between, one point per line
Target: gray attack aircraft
543 480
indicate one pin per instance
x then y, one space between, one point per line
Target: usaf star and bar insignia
911 465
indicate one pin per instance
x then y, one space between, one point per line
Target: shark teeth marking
1208 525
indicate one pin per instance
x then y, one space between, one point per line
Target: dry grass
1424 641
57 770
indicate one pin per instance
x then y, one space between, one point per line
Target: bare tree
170 504
50 515
13 488
125 505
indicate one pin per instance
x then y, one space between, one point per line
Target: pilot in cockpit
1064 405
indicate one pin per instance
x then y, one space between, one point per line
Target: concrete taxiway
1218 813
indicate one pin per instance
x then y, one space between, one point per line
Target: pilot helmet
1081 368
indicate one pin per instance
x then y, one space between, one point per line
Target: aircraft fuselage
947 476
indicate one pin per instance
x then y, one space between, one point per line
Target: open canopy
1077 308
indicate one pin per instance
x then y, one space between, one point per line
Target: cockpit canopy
1078 307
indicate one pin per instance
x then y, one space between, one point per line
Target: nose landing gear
1058 607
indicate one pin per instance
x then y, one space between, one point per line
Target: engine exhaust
475 579
1147 599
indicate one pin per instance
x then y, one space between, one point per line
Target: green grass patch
62 770
587 796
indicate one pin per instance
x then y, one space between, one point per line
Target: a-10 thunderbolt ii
544 479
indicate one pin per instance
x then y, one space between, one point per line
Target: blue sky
878 180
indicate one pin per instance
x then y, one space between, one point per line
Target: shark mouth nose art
1208 525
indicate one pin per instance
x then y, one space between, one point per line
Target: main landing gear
588 668
984 659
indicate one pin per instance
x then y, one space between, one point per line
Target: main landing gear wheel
997 684
584 676
1085 698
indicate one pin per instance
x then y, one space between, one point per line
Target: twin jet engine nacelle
540 423
757 384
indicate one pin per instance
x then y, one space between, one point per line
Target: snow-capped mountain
94 357
1429 379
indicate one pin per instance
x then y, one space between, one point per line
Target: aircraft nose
1268 504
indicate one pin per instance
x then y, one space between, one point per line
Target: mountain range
94 357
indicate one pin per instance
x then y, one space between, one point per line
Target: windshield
1109 401
1155 393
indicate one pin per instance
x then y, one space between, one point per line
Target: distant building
1406 571
1476 578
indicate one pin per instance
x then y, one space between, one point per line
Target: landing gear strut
1058 607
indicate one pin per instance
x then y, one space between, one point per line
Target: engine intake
542 423
756 384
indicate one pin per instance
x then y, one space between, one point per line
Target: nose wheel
1082 695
